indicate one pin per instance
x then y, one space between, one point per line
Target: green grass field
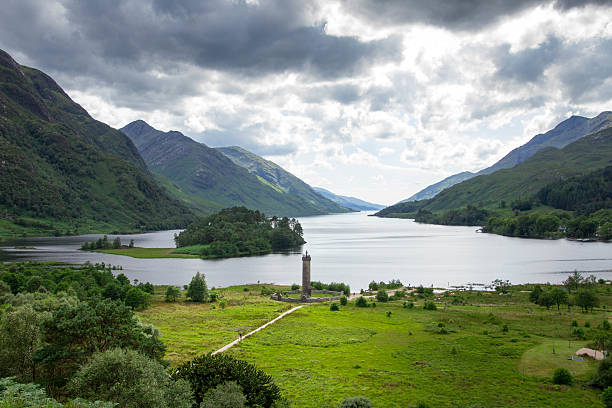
460 356
147 252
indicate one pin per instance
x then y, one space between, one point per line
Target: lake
355 249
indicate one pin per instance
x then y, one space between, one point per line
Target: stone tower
306 276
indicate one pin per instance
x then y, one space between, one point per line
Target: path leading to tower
233 343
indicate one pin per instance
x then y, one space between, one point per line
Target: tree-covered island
238 231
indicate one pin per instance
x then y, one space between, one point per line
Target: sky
370 98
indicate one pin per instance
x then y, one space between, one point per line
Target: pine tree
197 290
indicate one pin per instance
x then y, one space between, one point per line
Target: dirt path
233 343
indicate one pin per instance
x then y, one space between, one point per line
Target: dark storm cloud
270 37
463 15
527 65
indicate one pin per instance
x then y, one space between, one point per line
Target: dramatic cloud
365 97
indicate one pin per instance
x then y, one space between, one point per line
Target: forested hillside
61 171
207 181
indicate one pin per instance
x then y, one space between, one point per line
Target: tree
117 243
197 290
546 300
131 245
535 294
137 299
573 281
603 377
559 297
20 337
587 299
226 395
501 285
131 379
356 402
343 300
206 372
74 332
605 232
382 295
34 283
172 294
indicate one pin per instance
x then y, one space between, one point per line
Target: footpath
233 343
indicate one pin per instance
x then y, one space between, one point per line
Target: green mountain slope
206 179
589 153
563 134
280 179
434 189
348 202
59 166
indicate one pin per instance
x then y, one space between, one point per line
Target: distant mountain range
59 166
522 182
563 134
207 180
271 174
353 203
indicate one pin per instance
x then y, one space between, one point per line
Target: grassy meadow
475 350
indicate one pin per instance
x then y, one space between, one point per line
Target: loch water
353 248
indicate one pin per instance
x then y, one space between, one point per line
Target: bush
226 395
130 379
206 372
603 377
408 305
382 295
295 286
356 402
172 293
579 333
361 302
429 306
562 376
334 307
574 323
343 300
606 397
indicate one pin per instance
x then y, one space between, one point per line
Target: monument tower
306 276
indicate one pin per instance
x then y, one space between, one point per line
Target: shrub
603 377
505 328
382 295
408 305
130 379
574 323
214 296
206 372
562 376
361 302
222 304
356 402
389 313
295 286
579 333
605 325
343 300
429 306
587 324
606 397
226 395
334 307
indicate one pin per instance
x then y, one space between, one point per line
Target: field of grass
147 252
314 295
191 329
492 351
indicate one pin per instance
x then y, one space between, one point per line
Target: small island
232 232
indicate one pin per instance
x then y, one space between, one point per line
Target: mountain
348 202
434 189
280 179
523 181
563 134
59 166
207 180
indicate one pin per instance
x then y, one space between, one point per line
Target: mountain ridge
61 165
206 179
352 203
